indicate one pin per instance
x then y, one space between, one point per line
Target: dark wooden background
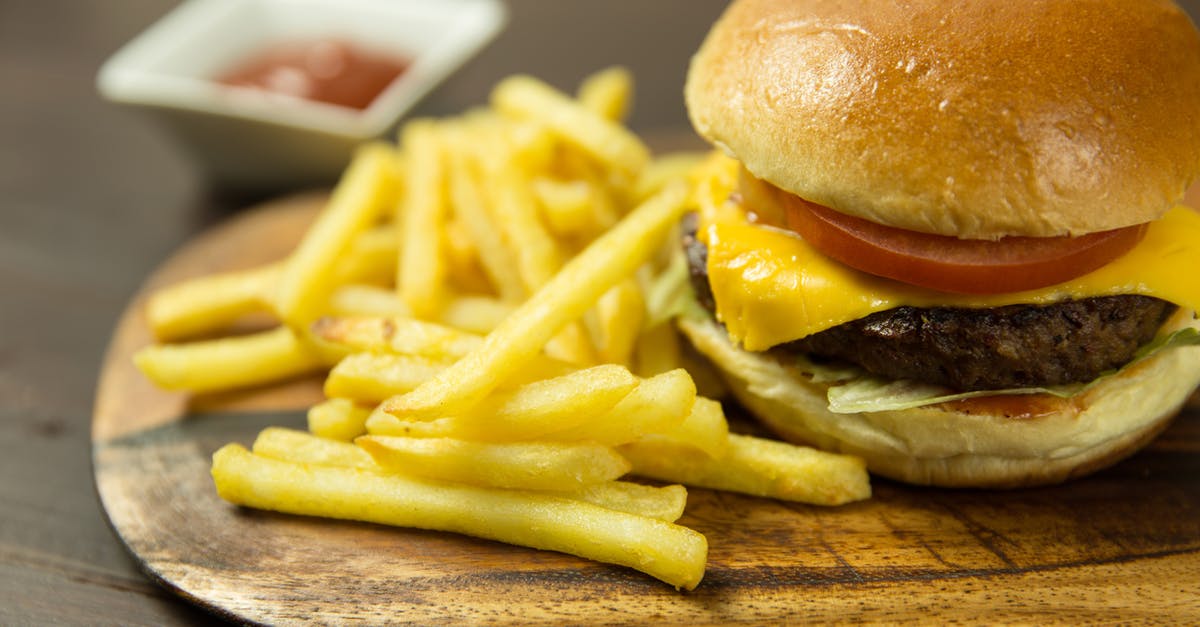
92 198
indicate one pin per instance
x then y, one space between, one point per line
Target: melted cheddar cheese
771 287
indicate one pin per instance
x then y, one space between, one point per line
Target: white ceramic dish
244 140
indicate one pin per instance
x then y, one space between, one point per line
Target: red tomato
949 264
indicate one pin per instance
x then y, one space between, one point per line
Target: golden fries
496 258
400 335
658 404
338 419
211 302
619 314
520 465
704 429
607 142
756 466
611 258
669 552
371 378
607 93
421 216
664 503
230 362
357 201
298 446
482 297
533 410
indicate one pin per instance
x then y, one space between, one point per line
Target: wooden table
93 198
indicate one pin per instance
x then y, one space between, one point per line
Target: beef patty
977 349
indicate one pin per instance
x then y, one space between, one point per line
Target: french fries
338 419
358 200
658 404
212 302
612 257
421 215
609 143
756 466
520 465
664 503
607 93
532 410
371 378
663 550
229 362
493 300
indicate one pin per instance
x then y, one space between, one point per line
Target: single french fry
557 466
398 335
370 378
476 314
543 406
422 214
607 261
664 503
211 302
371 258
366 300
382 423
533 144
619 315
607 93
705 428
669 552
357 201
338 419
298 446
229 362
525 97
566 205
658 404
756 466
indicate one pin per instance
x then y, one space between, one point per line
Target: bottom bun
964 445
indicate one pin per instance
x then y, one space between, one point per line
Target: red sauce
1015 406
326 71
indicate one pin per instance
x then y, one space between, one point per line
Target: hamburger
945 236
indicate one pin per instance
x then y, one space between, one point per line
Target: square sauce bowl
258 91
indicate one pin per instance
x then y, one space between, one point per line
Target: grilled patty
977 349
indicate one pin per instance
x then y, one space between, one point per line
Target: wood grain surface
1120 546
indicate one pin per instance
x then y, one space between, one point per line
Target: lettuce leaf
862 392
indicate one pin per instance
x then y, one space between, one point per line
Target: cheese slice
771 287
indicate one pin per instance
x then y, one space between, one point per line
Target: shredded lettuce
861 392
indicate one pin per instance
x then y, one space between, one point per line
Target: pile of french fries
492 299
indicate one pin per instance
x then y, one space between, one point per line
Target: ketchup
326 71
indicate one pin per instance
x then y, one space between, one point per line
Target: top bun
974 119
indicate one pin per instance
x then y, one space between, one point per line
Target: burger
946 236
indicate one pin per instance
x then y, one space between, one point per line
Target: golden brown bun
975 119
936 446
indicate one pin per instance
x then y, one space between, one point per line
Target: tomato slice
949 264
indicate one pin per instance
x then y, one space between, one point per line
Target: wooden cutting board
1120 546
